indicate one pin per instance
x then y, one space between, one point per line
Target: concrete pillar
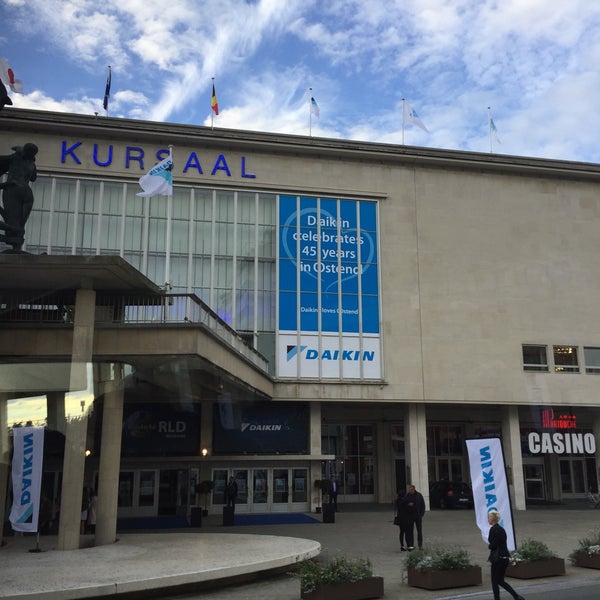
415 431
511 444
386 474
4 458
72 484
110 462
55 409
76 430
595 484
315 448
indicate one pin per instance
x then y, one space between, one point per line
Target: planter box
439 580
548 567
583 559
356 590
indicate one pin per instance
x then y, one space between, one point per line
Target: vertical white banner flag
490 488
28 457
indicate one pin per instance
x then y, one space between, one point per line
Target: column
76 429
511 444
4 457
55 409
315 449
595 483
415 430
110 462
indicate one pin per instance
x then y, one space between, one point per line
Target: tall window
354 449
592 360
534 358
565 359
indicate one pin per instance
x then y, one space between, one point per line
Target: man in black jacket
416 505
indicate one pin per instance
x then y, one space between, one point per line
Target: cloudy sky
534 62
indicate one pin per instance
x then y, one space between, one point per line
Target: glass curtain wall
221 243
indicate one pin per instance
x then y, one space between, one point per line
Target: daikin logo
252 427
347 355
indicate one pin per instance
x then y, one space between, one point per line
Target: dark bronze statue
4 97
17 196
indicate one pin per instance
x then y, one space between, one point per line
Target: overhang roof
106 273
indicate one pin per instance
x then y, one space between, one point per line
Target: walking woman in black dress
499 556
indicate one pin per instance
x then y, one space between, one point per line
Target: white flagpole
169 232
310 112
212 112
403 112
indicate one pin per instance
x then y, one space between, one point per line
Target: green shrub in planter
588 546
339 570
438 558
531 550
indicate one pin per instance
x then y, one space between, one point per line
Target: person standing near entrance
416 506
404 521
333 493
231 492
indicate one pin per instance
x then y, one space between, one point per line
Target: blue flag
107 90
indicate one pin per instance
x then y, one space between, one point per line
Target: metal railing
124 310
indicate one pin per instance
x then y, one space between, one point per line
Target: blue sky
535 62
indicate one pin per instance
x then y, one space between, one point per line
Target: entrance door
281 490
265 489
573 476
535 481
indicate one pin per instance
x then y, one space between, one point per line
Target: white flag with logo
158 180
411 117
490 487
28 457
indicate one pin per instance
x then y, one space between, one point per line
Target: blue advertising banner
259 427
161 429
28 460
329 323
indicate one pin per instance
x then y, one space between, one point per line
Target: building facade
406 299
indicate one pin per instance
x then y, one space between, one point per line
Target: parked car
450 494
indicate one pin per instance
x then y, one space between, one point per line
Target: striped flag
214 104
107 89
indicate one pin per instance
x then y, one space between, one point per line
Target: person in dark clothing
499 556
416 506
231 492
333 493
404 522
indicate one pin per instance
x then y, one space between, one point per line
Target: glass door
260 490
280 489
573 476
535 481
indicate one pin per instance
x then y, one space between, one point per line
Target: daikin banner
490 487
28 457
328 279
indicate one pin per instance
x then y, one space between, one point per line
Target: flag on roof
493 130
410 116
214 104
7 77
107 89
158 180
314 107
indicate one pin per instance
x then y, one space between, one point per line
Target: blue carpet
274 519
152 523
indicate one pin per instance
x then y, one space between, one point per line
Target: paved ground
144 558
